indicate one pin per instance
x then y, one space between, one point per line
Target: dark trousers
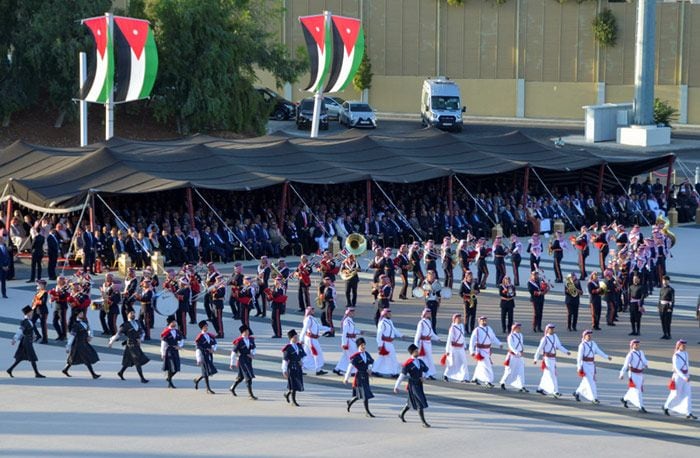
469 317
276 310
404 286
665 314
449 275
181 317
303 297
193 311
558 256
636 318
572 315
53 260
500 264
582 255
235 307
60 321
507 316
596 310
483 273
351 291
610 316
108 320
537 311
146 318
418 278
515 262
43 322
36 266
433 306
602 254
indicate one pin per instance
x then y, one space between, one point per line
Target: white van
441 104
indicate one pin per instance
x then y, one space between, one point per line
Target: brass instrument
602 287
570 287
347 273
667 223
106 298
356 244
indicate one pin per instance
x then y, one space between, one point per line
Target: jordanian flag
137 59
348 48
100 77
318 44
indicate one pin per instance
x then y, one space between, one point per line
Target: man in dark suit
53 248
89 246
37 255
4 266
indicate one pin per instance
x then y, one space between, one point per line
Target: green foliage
664 113
363 78
455 2
208 51
45 39
605 28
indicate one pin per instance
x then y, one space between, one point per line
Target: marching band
629 275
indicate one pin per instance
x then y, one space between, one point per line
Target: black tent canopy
57 180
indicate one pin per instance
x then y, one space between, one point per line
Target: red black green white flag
126 60
348 48
318 44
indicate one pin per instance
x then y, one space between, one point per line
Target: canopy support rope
553 198
403 217
122 223
75 234
475 201
320 223
625 191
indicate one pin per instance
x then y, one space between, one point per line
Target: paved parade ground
81 417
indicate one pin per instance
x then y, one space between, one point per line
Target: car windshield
445 102
308 105
360 107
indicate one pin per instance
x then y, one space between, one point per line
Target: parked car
335 106
358 114
305 114
281 109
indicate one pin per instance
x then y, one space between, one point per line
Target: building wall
487 48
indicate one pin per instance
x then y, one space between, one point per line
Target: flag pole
318 96
82 57
109 105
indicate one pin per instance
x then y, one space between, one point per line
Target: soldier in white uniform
549 344
456 368
347 341
386 362
480 343
585 365
679 398
514 373
423 340
635 363
310 333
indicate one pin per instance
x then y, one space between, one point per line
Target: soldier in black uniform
403 266
328 296
499 260
236 283
572 299
78 347
636 297
666 301
601 242
362 361
414 370
171 342
37 255
292 356
278 306
128 295
25 348
595 294
557 254
469 291
133 355
415 258
242 355
145 297
537 290
183 295
111 296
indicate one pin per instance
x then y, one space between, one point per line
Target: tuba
571 288
356 244
661 219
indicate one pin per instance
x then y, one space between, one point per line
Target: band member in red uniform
384 295
195 287
171 340
210 280
59 296
329 295
303 272
403 265
236 283
77 301
40 311
110 306
145 297
264 272
278 300
414 254
184 297
216 302
583 250
446 258
128 293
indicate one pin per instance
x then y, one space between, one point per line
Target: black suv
305 114
281 109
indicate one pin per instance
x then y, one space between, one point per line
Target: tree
363 77
45 39
208 53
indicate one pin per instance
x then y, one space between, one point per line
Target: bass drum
418 292
166 304
446 293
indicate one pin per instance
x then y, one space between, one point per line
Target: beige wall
480 48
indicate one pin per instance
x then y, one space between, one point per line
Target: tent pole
120 222
190 207
77 225
369 199
9 215
671 160
283 206
92 212
450 200
554 199
599 191
526 185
